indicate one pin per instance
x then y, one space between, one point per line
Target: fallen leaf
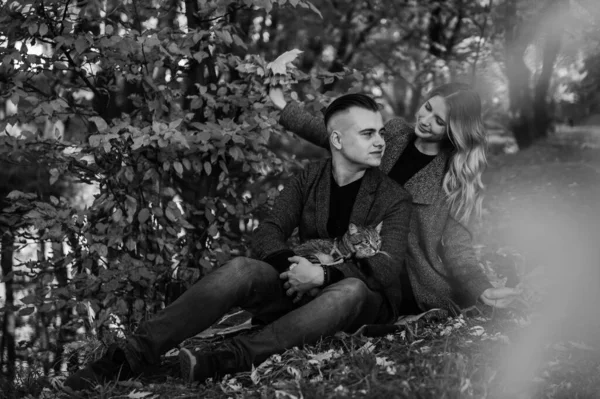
478 331
366 348
254 376
294 372
138 395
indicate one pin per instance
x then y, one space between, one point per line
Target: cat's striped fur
358 242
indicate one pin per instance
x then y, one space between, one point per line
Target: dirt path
544 205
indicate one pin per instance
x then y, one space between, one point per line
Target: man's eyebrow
369 130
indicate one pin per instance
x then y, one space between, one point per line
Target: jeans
256 287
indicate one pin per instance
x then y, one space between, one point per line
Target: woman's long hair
462 181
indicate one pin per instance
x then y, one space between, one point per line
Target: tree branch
62 23
480 42
76 68
387 64
139 23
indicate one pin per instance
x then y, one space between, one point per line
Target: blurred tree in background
138 147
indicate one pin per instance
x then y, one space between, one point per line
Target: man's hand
276 94
301 277
499 297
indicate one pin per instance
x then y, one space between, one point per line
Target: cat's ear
352 229
378 227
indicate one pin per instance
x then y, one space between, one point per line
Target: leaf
200 55
172 213
60 66
129 174
26 311
207 168
43 30
95 140
144 215
100 123
175 124
236 153
130 244
15 98
279 65
118 215
16 194
81 45
294 372
178 167
29 299
254 376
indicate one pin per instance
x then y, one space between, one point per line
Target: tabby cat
358 242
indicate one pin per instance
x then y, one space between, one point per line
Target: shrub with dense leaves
167 122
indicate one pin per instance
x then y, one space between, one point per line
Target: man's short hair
347 101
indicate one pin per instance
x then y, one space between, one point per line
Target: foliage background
139 148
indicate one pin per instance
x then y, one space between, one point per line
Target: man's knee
248 267
351 290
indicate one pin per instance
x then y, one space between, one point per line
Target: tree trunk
520 110
8 323
63 316
550 50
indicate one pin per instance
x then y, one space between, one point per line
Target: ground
540 214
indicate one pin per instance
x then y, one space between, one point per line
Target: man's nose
379 141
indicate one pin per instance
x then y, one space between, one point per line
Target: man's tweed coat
304 203
440 260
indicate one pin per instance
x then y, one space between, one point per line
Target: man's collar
364 199
370 179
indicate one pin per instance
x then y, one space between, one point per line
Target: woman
439 161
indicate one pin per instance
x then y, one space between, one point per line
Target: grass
453 358
539 214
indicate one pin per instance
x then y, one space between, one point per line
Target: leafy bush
171 128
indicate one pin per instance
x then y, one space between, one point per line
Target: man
321 202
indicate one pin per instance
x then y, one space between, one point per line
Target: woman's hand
276 95
499 297
301 277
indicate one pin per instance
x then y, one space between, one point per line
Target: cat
357 242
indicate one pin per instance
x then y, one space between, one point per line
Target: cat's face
365 240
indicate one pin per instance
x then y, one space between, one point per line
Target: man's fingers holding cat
297 298
291 292
299 260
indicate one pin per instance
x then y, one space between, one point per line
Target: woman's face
432 120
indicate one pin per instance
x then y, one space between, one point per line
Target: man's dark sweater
342 201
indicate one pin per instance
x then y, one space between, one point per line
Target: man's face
357 134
